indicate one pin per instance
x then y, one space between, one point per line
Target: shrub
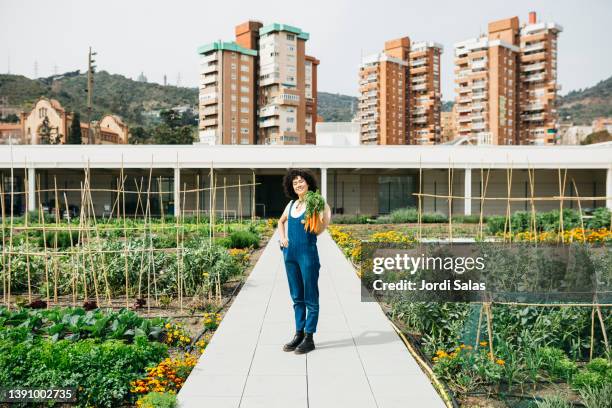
468 219
601 219
350 219
157 400
495 224
404 216
243 239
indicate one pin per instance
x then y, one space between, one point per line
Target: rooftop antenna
55 69
178 79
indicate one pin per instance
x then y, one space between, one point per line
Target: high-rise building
498 99
538 84
227 94
399 89
269 93
425 96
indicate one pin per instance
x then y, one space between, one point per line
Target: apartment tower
269 87
538 84
399 90
425 96
497 101
227 94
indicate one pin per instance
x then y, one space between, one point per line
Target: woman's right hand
284 242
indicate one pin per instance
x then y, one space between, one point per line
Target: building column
324 183
177 191
467 192
31 189
609 188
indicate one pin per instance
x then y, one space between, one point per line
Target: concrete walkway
359 360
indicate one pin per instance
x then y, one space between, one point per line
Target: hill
113 94
129 99
336 107
584 105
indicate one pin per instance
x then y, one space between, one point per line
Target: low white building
338 134
354 179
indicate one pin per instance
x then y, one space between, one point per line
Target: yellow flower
500 362
483 343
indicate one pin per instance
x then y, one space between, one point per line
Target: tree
597 137
45 131
171 130
75 136
138 135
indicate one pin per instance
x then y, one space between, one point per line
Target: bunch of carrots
315 204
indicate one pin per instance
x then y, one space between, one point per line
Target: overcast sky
161 37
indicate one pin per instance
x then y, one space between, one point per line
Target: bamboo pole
27 237
57 224
44 232
125 243
4 269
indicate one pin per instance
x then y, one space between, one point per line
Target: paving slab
359 360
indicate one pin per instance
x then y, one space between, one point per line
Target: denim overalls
302 265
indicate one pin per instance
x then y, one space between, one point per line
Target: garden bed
145 351
542 356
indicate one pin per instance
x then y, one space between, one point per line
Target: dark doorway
270 200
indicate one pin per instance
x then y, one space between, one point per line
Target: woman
301 258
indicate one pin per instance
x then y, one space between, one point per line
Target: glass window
395 192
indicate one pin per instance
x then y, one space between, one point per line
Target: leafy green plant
557 364
76 324
597 397
243 239
555 401
158 400
101 371
601 218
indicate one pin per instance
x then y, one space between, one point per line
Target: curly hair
292 174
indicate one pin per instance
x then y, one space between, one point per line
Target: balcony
534 107
534 47
270 110
210 68
480 64
418 62
419 87
533 117
479 95
479 85
464 109
208 98
478 125
211 110
534 78
464 119
210 79
208 59
533 67
420 120
465 99
269 123
209 122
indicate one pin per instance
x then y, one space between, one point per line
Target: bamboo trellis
483 198
88 277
